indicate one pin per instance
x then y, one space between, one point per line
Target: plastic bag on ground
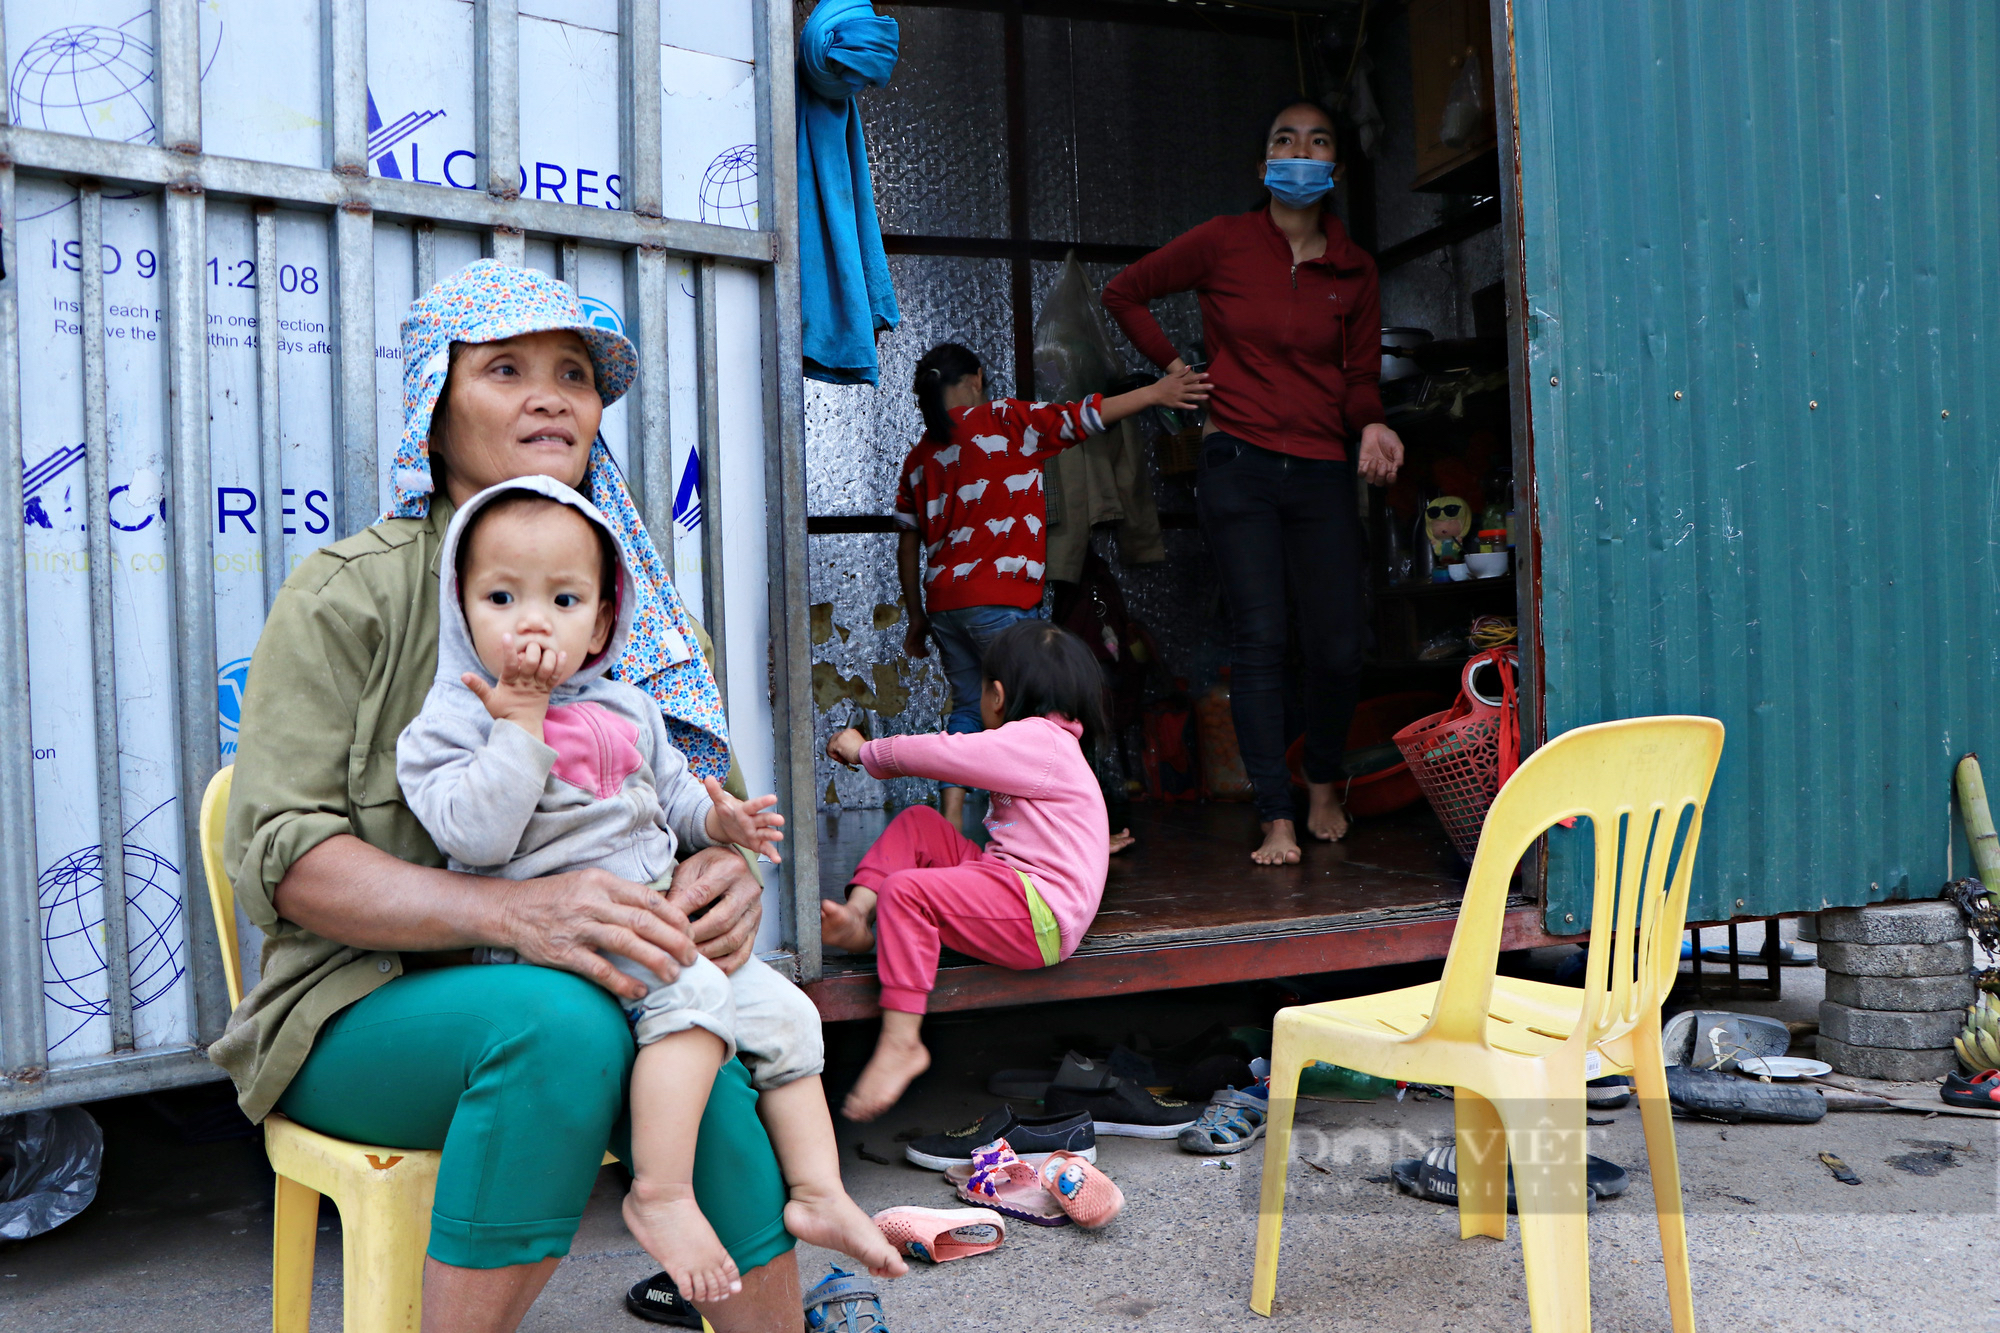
49 1165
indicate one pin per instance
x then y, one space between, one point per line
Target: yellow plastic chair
383 1194
1519 1052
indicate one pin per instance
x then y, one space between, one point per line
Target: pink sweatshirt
1048 817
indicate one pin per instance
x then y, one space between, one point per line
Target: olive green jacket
344 662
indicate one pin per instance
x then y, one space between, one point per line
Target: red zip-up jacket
1294 350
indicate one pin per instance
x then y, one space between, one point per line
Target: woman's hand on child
529 675
752 824
724 899
845 747
569 921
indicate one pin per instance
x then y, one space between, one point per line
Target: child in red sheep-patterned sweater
971 498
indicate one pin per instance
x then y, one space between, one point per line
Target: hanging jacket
605 788
845 295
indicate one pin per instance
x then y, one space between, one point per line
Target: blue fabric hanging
844 289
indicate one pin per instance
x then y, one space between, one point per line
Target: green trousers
519 1074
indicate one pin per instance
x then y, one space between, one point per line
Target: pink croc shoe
937 1235
1090 1197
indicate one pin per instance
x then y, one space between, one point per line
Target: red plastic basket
1461 756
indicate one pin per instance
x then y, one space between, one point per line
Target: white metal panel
88 70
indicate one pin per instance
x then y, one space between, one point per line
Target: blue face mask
1298 182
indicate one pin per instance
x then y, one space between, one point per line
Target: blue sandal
844 1302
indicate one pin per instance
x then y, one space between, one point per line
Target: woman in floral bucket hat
369 1023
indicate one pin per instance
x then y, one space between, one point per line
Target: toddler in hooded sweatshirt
528 760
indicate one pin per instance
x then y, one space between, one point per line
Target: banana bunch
1979 1045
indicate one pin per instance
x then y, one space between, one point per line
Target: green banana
1978 1046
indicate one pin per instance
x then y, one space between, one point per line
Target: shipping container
1718 285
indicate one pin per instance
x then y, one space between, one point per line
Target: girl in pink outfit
1027 898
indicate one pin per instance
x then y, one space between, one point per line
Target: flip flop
844 1302
1090 1197
999 1180
1980 1092
939 1235
1434 1176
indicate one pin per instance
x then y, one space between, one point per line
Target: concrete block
1899 1031
1897 960
1933 922
1881 1062
1903 994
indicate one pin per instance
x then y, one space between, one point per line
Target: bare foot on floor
1326 818
1281 847
666 1220
844 928
835 1222
890 1071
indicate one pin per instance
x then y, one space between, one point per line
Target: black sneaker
657 1299
1613 1092
1032 1139
1125 1111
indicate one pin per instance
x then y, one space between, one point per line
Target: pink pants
935 887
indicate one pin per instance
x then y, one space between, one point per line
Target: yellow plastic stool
1519 1052
383 1194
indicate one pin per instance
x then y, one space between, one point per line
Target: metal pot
1396 366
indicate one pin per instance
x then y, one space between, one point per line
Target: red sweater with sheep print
977 504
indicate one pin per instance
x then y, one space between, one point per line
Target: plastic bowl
1459 573
1486 564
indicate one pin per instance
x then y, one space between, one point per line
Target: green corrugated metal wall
1762 206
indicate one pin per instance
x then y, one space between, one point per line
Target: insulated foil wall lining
937 135
1136 134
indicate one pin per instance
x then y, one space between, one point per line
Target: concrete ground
179 1238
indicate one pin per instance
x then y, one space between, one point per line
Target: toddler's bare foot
1280 847
665 1219
844 928
891 1070
835 1222
1326 817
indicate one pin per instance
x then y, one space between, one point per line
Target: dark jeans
1273 520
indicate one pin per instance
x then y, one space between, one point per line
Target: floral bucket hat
485 302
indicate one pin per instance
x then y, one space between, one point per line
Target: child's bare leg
951 804
899 1057
671 1080
820 1210
849 925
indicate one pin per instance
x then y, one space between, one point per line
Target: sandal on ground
939 1235
1090 1197
657 1300
844 1302
1232 1122
999 1180
1980 1092
1434 1176
1713 1095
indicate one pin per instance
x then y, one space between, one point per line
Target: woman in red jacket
1291 319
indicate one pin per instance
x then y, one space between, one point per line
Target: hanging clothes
845 295
1102 480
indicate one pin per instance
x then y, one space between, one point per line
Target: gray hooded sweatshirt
605 789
